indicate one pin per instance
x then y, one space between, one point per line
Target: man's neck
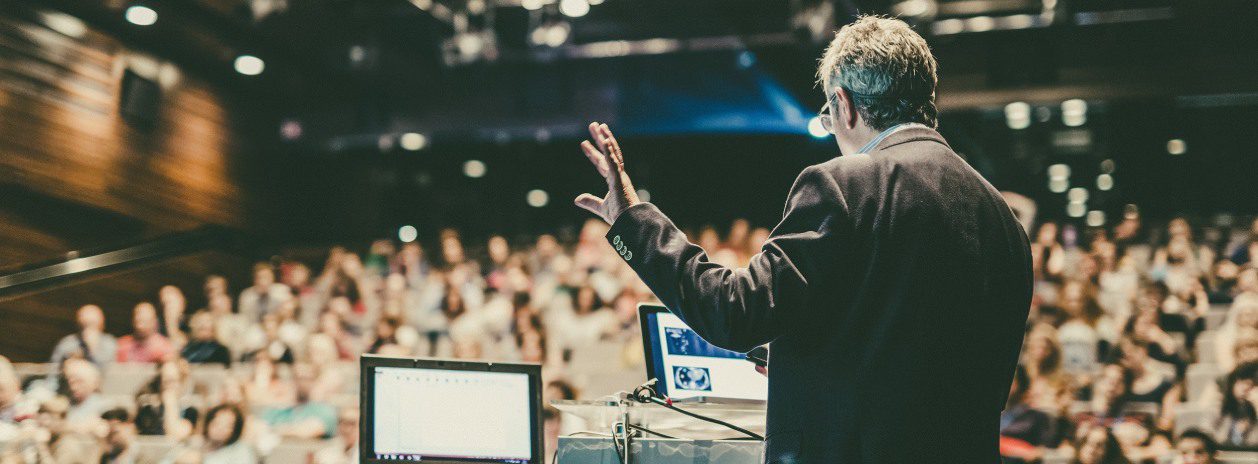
857 138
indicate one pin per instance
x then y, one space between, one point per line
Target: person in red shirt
144 344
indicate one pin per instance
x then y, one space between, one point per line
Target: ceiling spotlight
574 8
1076 209
249 65
1096 218
413 141
1176 147
407 234
1018 115
1058 171
537 198
644 195
1077 195
1074 112
474 168
532 4
555 34
1058 184
1104 182
141 15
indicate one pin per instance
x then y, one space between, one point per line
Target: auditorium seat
1205 347
126 378
1192 416
1199 378
295 451
1238 457
152 448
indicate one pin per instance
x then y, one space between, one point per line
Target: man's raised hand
604 153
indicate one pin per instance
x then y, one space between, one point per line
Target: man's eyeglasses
827 119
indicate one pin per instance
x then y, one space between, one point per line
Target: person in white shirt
265 296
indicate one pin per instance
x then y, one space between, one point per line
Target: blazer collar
914 133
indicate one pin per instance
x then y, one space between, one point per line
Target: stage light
1059 171
948 26
980 24
1058 184
595 2
574 8
290 129
249 65
474 168
1096 218
1077 195
1176 147
555 34
1074 112
1018 115
746 59
644 195
1076 209
141 15
413 141
65 24
537 198
384 143
912 8
1107 166
1104 182
816 129
407 234
532 4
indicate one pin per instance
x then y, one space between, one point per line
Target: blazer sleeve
737 308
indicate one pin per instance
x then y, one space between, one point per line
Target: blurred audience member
1196 447
204 347
344 448
83 391
91 342
144 344
307 418
265 295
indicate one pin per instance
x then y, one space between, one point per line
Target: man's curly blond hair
886 68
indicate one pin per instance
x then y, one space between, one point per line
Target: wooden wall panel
75 175
63 136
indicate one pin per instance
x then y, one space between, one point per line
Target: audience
91 342
1196 447
1136 333
204 346
144 344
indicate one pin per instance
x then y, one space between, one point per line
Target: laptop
441 411
690 369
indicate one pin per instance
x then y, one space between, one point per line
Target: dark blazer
893 295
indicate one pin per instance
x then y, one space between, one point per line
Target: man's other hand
604 152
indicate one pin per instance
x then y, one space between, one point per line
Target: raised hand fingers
596 136
596 157
611 146
590 203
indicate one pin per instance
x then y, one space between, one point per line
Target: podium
696 442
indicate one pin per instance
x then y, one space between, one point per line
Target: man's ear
845 113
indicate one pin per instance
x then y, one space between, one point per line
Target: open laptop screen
446 411
688 366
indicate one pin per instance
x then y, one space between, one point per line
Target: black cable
750 434
652 432
645 394
616 444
